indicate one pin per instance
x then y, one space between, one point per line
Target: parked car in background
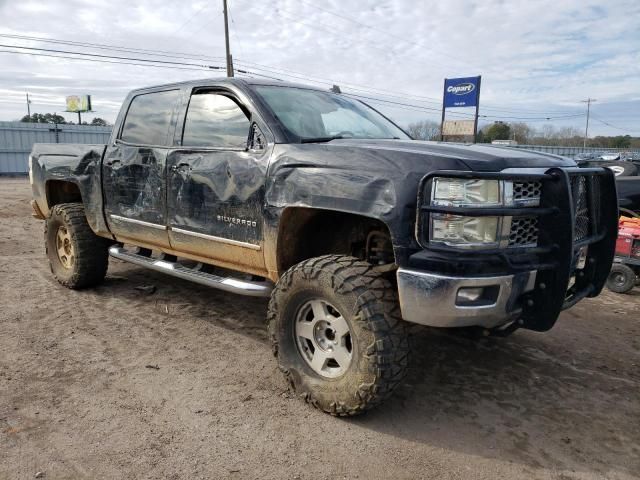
622 164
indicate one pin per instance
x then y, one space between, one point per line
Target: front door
216 184
133 170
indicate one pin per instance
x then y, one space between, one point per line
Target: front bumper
530 283
432 300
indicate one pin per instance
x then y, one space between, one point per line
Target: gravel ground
118 383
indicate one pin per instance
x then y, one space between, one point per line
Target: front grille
527 192
596 195
582 226
523 232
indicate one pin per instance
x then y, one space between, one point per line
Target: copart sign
461 92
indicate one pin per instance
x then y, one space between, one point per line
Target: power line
612 126
104 61
273 70
188 66
103 56
134 62
402 104
116 48
206 5
235 30
279 71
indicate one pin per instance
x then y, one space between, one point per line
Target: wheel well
59 191
306 233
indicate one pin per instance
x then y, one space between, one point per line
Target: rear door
133 170
216 183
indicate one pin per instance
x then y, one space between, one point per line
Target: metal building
17 138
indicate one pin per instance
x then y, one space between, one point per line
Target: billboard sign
461 92
458 127
78 103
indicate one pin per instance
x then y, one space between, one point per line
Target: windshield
313 115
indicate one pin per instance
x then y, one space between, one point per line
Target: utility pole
28 106
586 130
226 40
475 120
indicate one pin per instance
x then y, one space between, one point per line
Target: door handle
177 167
111 163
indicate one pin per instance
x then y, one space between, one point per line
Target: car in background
626 164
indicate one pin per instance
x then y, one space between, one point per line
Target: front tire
621 279
78 257
336 329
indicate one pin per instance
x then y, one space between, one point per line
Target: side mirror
256 142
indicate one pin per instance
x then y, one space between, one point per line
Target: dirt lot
78 398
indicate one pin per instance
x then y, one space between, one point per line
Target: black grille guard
554 257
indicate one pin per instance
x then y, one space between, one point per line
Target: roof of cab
203 82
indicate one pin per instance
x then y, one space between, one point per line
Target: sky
538 59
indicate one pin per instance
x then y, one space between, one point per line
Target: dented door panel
135 193
215 200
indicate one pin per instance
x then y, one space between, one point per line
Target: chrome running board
228 284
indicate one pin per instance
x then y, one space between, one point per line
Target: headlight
465 192
462 231
466 231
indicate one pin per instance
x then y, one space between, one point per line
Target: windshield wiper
338 137
320 139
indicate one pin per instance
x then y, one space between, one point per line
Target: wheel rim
323 338
64 247
619 279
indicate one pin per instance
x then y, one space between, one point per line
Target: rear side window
149 118
215 120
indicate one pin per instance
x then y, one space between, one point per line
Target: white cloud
534 56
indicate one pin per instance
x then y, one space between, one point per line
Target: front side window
149 118
215 120
314 114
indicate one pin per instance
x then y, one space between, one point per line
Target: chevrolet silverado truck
323 204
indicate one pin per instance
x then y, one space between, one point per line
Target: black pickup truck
322 203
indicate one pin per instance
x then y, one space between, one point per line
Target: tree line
55 118
525 134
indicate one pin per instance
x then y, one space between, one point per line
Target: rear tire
336 329
78 257
621 279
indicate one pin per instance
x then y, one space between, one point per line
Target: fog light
469 294
477 296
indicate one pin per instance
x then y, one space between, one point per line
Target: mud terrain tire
78 257
352 292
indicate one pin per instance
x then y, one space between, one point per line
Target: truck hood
393 158
480 157
379 178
